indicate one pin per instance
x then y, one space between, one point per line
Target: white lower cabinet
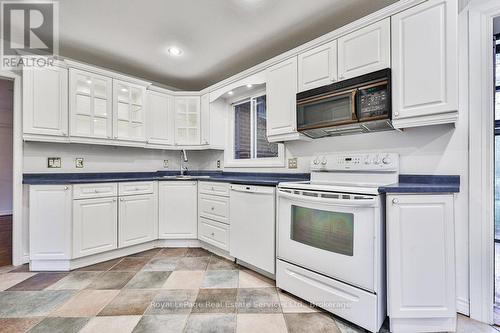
214 233
137 221
421 263
50 222
95 226
178 210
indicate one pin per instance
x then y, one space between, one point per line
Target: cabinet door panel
425 70
187 120
178 213
95 226
137 219
128 111
318 67
421 256
365 50
281 90
45 98
160 118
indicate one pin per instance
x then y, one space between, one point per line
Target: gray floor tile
111 280
75 280
258 300
198 252
173 301
220 279
59 325
211 323
310 322
161 324
18 304
148 280
215 301
162 264
192 264
129 302
218 263
38 281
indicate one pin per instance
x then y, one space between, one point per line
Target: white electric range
330 243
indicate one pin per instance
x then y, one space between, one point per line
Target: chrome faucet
184 159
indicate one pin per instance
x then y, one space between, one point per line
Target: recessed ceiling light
230 93
174 51
249 85
89 81
124 89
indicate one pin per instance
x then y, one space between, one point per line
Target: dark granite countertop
424 184
247 178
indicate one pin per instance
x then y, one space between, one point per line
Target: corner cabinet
160 118
187 120
129 111
317 67
45 103
90 105
281 91
425 70
178 212
421 263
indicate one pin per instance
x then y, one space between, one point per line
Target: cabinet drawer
88 191
214 207
214 233
134 188
221 189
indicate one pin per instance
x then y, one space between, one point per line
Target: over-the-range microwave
358 105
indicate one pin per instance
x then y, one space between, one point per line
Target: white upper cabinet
45 101
128 111
318 67
365 50
205 119
281 90
90 102
425 64
187 120
160 118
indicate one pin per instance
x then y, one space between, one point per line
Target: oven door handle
329 201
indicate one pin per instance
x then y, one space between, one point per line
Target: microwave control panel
356 162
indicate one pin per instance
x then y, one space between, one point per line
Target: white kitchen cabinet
178 213
317 67
160 118
137 219
187 120
45 102
281 91
129 111
421 263
50 222
365 50
95 226
90 104
205 119
425 64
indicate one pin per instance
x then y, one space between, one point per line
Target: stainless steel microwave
358 105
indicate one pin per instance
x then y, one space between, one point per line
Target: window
249 135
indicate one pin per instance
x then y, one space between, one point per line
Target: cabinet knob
341 77
396 114
212 208
395 201
66 188
114 200
213 234
121 199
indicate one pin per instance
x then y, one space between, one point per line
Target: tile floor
161 290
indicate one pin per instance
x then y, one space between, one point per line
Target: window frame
254 162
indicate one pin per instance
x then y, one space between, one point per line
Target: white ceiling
219 38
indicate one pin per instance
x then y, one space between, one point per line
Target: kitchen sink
186 177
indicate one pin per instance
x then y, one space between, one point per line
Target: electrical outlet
292 163
79 162
165 164
53 162
218 164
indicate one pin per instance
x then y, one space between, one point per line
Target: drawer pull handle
121 199
212 208
212 234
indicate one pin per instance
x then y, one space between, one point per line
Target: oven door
331 234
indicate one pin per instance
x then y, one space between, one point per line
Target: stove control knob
376 161
387 160
324 161
316 161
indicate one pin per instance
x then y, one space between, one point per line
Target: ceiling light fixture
174 51
249 85
230 93
124 89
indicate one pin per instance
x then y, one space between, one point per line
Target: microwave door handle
329 201
354 99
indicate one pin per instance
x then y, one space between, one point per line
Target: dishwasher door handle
252 189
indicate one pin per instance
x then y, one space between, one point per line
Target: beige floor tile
184 280
18 325
118 324
5 269
467 325
262 323
291 304
86 303
250 279
8 280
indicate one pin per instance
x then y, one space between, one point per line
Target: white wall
6 112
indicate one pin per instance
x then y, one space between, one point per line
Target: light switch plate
79 162
292 163
165 164
53 162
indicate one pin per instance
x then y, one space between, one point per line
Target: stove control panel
356 162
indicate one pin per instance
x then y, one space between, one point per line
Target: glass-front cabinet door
129 111
90 105
187 120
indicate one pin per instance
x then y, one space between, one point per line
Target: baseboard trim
463 306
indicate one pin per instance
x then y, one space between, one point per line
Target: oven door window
326 230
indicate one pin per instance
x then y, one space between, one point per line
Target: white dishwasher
253 225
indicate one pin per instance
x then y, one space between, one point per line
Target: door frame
481 159
17 160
